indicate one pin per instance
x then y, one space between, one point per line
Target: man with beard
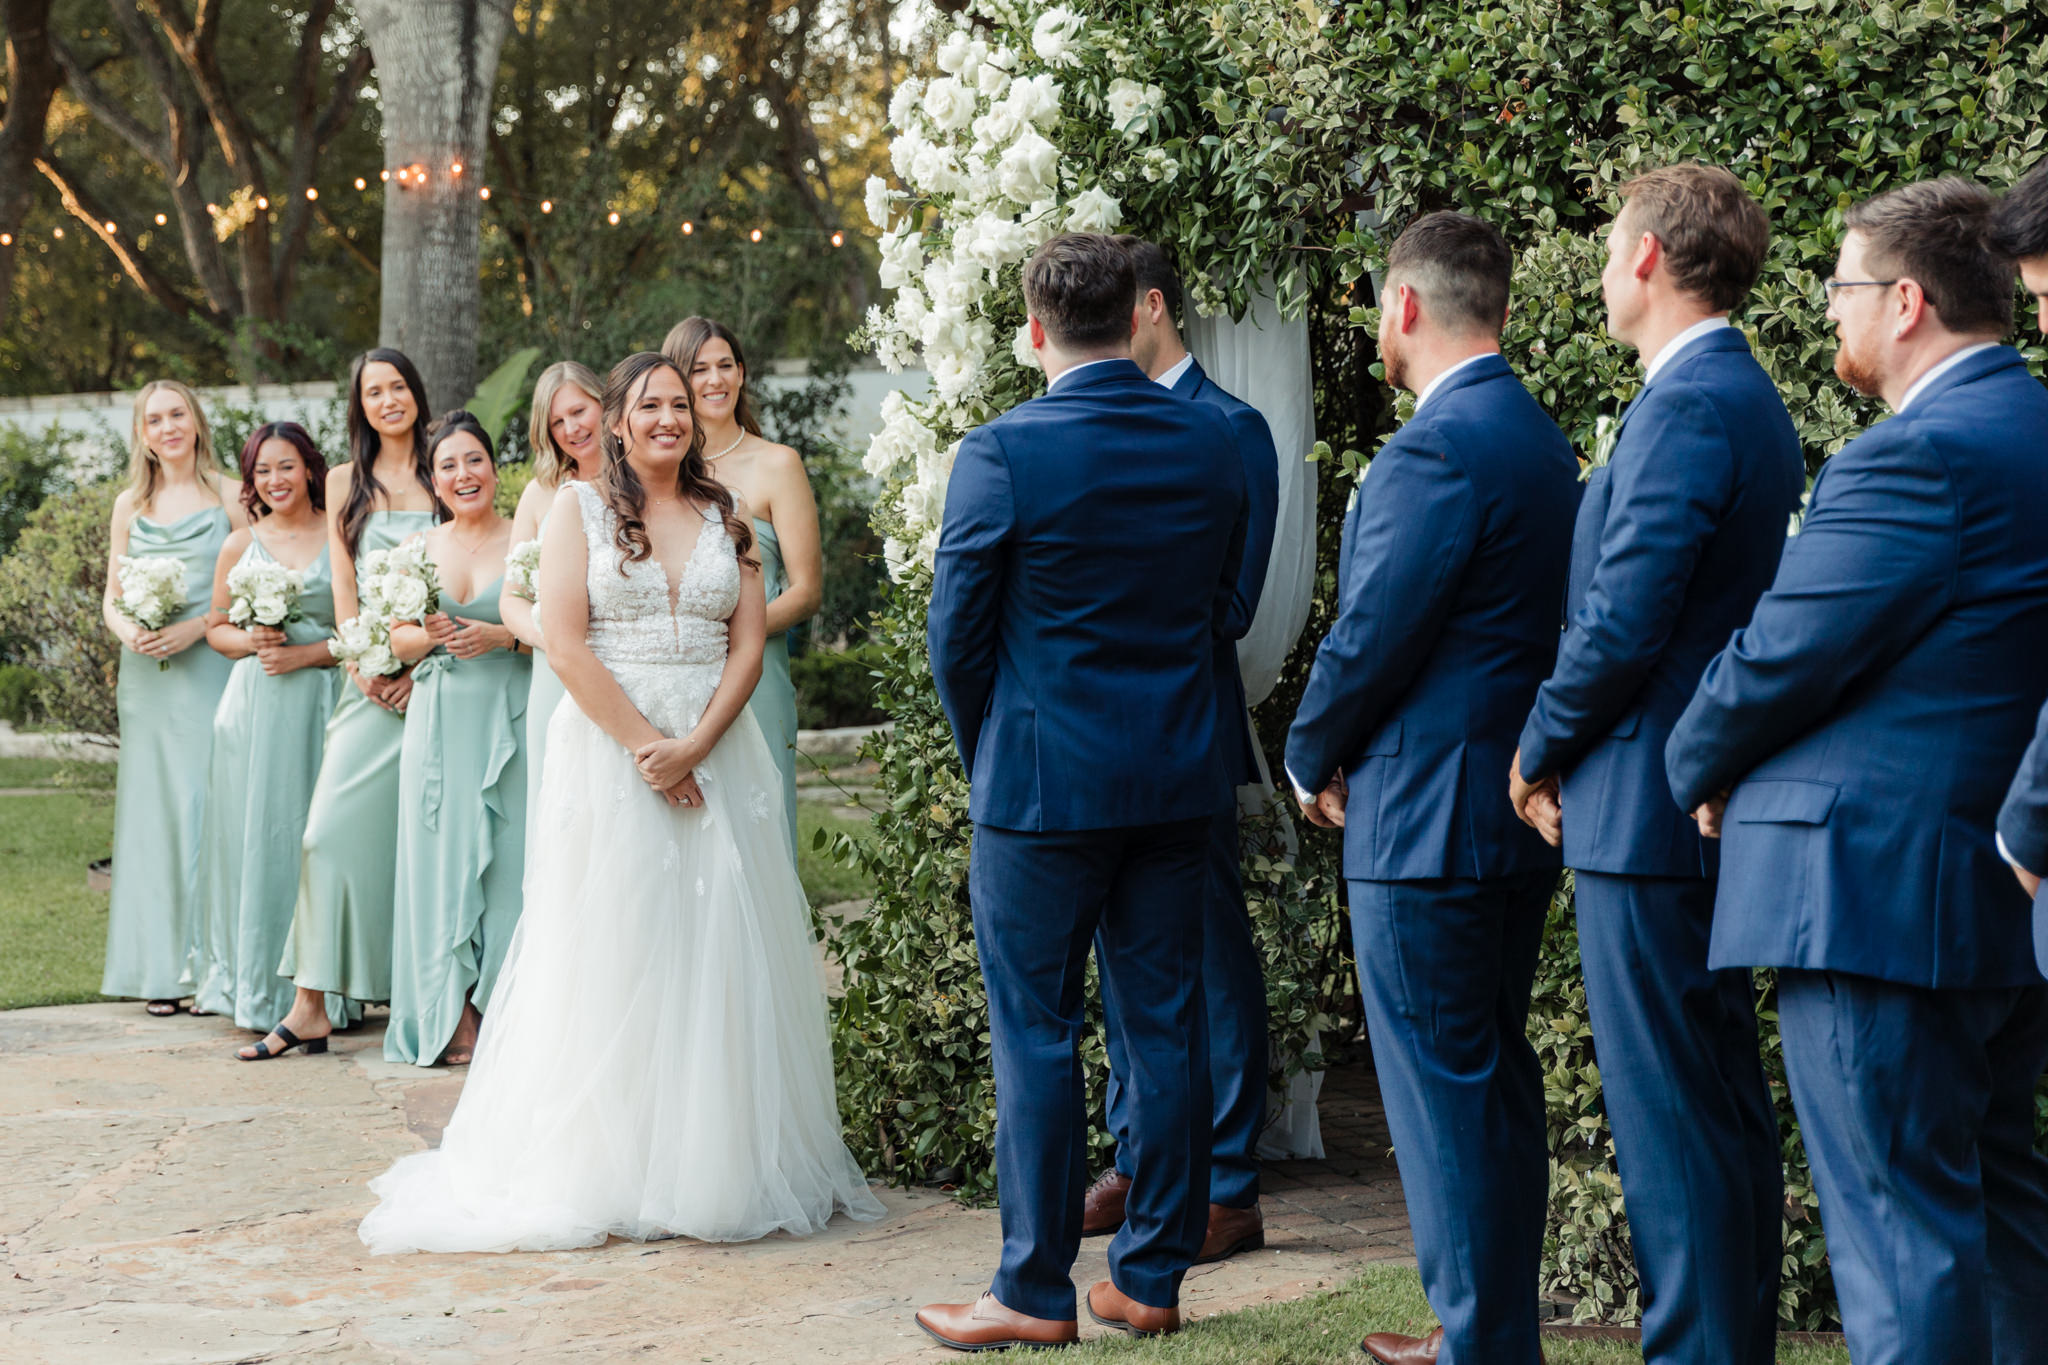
1852 744
2021 224
1677 538
1449 587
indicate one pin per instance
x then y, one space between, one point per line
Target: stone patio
164 1203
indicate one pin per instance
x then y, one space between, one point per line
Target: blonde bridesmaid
462 779
268 732
176 505
340 941
563 431
770 479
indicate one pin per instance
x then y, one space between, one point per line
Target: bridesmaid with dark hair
340 941
462 777
770 478
176 506
267 733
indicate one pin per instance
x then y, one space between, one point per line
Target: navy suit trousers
1040 899
1695 1136
1234 985
1917 1107
1445 967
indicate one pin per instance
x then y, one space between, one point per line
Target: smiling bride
655 1061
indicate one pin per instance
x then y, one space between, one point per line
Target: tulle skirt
656 1060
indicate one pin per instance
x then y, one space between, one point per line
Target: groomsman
1678 537
1232 980
1087 562
1866 720
1449 589
2021 222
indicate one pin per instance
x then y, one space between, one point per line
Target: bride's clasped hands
669 765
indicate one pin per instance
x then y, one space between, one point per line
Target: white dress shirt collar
1172 376
1436 385
1941 367
1065 375
1680 342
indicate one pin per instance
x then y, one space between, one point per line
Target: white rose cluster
264 593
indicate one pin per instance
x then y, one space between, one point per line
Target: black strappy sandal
161 1009
291 1040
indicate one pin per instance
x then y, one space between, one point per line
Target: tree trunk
437 64
32 79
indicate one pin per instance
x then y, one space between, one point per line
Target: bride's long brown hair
620 486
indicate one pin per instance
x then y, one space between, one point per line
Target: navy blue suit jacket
1449 594
1678 536
1088 561
2023 820
1262 488
1869 716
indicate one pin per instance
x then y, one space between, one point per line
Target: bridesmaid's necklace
471 550
736 442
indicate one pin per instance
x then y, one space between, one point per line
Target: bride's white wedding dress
655 1060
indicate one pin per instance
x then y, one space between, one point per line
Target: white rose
902 256
910 310
998 128
928 548
1094 211
1041 223
991 80
954 375
1158 166
1020 347
903 154
1035 99
944 333
378 661
949 104
916 504
878 197
407 598
904 102
992 241
933 169
271 609
952 54
1056 36
1131 105
896 555
1029 171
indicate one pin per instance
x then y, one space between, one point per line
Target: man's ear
1134 322
1910 308
1648 252
1037 335
1407 309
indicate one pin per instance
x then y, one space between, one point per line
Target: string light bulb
612 218
262 202
109 226
213 209
57 233
385 176
311 194
6 239
839 239
161 220
361 183
484 193
755 235
455 168
688 227
547 206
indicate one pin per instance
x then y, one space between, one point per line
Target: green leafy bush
51 586
32 467
836 688
21 695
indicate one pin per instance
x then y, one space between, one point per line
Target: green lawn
1325 1329
53 931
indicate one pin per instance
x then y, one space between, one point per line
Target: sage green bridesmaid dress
774 699
340 940
547 693
166 717
267 738
461 837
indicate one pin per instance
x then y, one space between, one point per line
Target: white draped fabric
1264 360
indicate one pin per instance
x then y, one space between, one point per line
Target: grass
53 931
1325 1329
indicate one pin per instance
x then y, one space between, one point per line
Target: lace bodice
631 621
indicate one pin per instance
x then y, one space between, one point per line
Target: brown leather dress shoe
1112 1307
1102 1208
985 1325
1391 1348
1231 1231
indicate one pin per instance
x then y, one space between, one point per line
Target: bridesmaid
176 504
340 940
462 781
267 733
567 405
769 479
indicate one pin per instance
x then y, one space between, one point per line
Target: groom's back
1126 521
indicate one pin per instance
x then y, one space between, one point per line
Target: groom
1090 551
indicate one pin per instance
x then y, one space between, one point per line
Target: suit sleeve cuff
1301 793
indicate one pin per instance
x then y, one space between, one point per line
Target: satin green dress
267 738
341 927
547 693
461 837
774 699
166 717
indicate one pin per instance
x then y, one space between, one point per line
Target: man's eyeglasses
1831 284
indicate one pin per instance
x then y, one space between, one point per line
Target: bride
655 1061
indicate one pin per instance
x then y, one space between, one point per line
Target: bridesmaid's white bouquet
263 594
522 570
365 641
399 584
152 592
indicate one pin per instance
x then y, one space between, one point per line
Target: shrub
21 695
51 587
31 468
836 688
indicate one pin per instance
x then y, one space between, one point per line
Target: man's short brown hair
1154 269
2020 222
1082 289
1714 235
1940 234
1459 266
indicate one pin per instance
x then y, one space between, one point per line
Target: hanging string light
547 206
754 236
612 217
688 227
484 192
161 220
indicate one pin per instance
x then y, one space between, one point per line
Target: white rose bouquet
365 641
399 584
522 570
152 592
264 594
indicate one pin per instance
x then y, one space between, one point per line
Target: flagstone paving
161 1202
